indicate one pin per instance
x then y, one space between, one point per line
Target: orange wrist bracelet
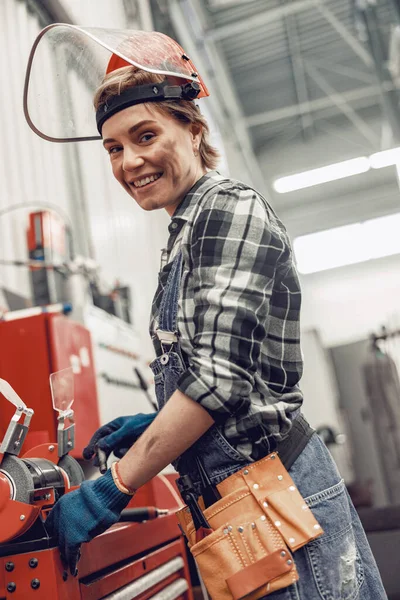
118 481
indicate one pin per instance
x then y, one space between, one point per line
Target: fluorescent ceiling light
348 245
386 158
339 170
306 179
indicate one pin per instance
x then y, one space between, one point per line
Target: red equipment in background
31 349
131 560
48 243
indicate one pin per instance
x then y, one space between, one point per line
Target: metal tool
143 513
145 387
210 493
187 491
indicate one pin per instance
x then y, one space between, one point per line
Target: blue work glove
84 513
117 436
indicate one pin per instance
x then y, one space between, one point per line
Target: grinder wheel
22 480
72 469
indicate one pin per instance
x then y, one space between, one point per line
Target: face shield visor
67 64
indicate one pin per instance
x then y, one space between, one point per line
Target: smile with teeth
146 180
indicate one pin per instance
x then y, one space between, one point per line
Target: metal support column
390 99
223 99
298 70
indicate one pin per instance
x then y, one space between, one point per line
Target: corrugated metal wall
76 178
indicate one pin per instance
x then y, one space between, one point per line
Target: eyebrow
132 129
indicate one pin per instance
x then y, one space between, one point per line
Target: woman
225 324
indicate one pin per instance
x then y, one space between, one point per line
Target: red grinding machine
141 557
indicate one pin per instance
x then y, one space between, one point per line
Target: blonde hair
184 111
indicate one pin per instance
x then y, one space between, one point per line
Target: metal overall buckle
166 338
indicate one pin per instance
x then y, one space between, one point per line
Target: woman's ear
196 131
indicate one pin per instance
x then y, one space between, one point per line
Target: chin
149 205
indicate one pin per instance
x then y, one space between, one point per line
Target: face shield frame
192 86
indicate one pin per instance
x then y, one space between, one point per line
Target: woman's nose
132 160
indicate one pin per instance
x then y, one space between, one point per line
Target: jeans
339 565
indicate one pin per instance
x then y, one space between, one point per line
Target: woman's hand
84 513
117 436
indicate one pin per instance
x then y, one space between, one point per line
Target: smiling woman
225 322
158 150
153 156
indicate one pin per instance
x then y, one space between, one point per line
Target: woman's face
152 156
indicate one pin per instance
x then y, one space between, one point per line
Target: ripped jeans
339 565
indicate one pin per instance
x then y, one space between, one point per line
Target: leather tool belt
260 520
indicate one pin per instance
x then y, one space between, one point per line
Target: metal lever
16 432
65 436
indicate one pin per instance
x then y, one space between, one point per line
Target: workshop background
296 86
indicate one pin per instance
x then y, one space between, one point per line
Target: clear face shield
67 64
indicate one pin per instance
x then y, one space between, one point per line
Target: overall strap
169 303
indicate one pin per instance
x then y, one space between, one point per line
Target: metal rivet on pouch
225 532
317 526
265 504
22 518
246 472
291 540
292 488
253 525
280 477
278 523
256 486
289 562
230 528
283 553
240 529
263 518
273 456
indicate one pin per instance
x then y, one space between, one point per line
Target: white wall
126 240
349 303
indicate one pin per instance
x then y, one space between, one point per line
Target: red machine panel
30 350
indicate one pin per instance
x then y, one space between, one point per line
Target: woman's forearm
180 423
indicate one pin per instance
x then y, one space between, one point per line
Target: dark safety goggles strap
155 92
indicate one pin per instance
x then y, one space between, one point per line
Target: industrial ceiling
296 64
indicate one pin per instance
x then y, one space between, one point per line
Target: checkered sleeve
233 256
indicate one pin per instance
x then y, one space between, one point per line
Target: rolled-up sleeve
232 259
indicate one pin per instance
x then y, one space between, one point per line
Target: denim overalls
337 566
218 457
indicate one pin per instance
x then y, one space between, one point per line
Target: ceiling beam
260 19
343 105
187 19
347 36
299 75
270 116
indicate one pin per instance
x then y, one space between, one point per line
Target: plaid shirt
238 318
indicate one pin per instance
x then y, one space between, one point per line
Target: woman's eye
146 137
113 149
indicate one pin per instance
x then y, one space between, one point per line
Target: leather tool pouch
259 521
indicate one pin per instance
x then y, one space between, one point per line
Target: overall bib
219 458
337 566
